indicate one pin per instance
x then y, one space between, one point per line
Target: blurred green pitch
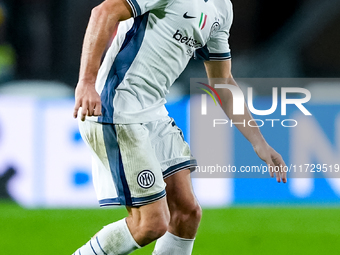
236 230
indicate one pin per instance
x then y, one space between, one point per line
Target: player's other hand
88 99
273 159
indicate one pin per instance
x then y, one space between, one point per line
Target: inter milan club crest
214 28
146 179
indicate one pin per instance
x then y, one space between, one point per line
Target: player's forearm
219 72
251 133
98 33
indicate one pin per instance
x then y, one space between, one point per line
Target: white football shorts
131 161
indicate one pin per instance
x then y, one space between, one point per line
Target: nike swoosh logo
188 17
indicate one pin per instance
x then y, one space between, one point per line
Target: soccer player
140 159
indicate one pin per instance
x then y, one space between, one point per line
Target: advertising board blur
45 163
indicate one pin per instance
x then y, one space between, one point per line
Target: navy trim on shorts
109 202
116 165
178 167
136 201
147 200
127 193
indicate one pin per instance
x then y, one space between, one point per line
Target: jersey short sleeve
217 47
139 7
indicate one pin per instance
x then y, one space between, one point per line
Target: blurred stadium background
47 202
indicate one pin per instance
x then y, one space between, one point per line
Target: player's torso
149 53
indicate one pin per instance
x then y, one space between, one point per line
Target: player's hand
273 159
88 99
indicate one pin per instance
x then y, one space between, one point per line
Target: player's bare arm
219 72
101 26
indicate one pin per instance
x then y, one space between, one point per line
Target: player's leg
149 222
174 155
185 216
184 209
143 225
129 175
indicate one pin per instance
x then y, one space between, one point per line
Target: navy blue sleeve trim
135 8
219 56
203 54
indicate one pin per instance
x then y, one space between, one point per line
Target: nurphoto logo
239 102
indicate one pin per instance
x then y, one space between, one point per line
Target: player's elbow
106 10
99 11
112 10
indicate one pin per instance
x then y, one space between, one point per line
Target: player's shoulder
225 11
223 4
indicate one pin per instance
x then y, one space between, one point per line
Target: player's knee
198 212
195 212
190 213
155 232
156 224
155 228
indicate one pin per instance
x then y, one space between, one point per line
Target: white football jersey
152 49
